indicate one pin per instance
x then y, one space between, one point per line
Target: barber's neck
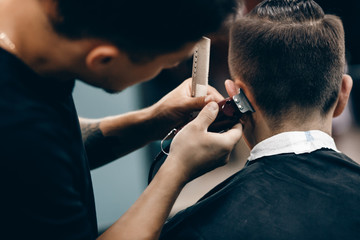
35 41
258 128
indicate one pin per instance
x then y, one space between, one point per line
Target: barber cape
296 185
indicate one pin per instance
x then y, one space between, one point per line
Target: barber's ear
100 57
344 94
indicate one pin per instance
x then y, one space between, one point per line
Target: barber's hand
195 151
175 108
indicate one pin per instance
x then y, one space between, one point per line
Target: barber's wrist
159 122
171 170
154 124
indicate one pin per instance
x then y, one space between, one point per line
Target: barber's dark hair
291 55
142 28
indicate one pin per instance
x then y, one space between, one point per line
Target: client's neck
259 128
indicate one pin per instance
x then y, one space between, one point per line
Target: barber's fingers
215 95
212 95
233 135
196 103
206 116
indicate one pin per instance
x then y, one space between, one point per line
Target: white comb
200 73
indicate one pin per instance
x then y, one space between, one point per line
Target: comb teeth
200 73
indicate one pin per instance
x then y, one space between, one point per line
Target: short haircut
142 28
292 57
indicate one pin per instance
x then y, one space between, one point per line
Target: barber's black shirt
281 197
46 190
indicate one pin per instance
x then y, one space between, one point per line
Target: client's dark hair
142 28
291 55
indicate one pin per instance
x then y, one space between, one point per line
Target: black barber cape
283 197
46 189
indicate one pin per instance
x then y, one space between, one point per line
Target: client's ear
344 94
232 88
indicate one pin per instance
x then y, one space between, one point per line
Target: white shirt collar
293 142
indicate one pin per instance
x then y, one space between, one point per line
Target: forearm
110 138
144 220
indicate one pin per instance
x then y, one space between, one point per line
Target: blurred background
119 184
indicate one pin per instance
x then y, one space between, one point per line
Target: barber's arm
193 152
110 138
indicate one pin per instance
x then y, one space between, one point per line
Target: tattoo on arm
90 131
100 149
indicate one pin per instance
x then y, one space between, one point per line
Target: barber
46 153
